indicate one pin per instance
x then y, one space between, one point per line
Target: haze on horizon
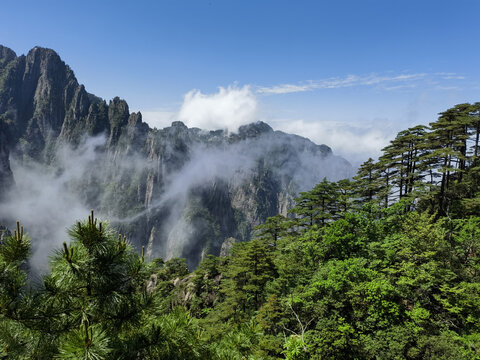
346 74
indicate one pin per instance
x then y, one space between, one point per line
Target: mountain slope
177 191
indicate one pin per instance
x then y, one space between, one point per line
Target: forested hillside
384 266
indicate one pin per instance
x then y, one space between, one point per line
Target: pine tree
473 123
399 167
273 229
448 144
17 338
97 288
327 201
317 206
305 209
344 197
246 274
366 182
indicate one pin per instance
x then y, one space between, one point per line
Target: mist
44 201
235 164
49 199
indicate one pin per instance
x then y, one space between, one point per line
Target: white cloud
447 88
228 109
355 143
287 88
234 106
450 76
405 80
399 87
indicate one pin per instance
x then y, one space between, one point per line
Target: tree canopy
382 266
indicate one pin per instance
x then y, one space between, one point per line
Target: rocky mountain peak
179 124
135 119
6 55
46 64
254 129
41 53
118 114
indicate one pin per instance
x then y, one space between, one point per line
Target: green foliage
245 276
93 304
383 267
295 348
89 343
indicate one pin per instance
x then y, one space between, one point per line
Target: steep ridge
178 191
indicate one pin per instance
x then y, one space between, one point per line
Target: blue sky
346 73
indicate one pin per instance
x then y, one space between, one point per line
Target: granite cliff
177 191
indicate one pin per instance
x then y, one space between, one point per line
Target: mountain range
176 191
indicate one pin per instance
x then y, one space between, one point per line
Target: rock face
177 191
41 102
6 175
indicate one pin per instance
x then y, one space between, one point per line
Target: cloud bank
233 106
229 108
356 143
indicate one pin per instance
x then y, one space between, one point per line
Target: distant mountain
177 191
